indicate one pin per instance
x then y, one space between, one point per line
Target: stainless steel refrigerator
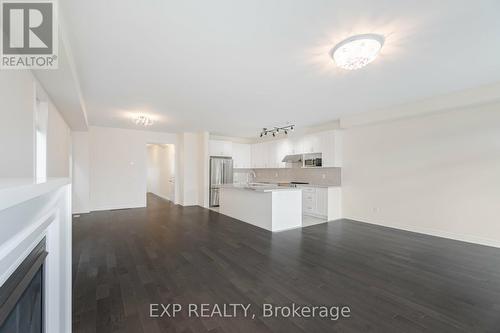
221 172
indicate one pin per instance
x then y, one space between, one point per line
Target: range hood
295 158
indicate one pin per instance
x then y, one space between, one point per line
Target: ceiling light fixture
277 130
143 120
357 51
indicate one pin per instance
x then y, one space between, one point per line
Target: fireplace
22 295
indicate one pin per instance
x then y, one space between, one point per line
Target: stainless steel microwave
313 162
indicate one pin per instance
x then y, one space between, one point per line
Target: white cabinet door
253 155
227 148
326 147
309 200
322 201
259 158
295 145
310 144
270 154
241 155
220 148
265 155
283 148
315 201
330 145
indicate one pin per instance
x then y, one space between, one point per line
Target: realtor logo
29 38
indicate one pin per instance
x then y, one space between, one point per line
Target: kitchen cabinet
330 145
220 148
315 201
259 155
322 202
270 154
310 144
241 156
309 200
283 148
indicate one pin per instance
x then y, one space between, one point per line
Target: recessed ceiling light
143 120
357 51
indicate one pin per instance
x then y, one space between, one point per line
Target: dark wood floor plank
393 280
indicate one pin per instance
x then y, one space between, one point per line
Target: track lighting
276 130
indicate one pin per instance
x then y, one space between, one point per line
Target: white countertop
260 188
317 185
271 184
14 191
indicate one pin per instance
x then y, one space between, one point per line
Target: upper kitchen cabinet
283 148
330 145
259 155
242 156
270 154
220 148
310 143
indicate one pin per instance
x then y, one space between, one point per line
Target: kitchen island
270 207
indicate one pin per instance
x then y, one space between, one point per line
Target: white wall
17 148
80 174
16 124
58 144
436 174
118 166
204 167
161 170
192 169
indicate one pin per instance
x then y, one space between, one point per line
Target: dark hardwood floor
393 281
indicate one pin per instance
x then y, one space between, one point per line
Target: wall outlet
323 176
276 174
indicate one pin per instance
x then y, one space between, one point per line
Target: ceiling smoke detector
357 51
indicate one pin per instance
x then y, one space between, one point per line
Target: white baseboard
96 209
439 233
161 196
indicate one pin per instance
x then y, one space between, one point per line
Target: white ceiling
233 67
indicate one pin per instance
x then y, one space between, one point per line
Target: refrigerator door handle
223 173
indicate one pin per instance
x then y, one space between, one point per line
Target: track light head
275 131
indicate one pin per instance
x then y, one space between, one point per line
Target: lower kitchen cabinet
322 202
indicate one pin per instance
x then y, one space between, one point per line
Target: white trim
466 99
96 209
161 196
16 191
438 233
39 230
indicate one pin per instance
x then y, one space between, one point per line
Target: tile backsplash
318 176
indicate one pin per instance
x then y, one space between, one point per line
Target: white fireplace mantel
28 213
14 191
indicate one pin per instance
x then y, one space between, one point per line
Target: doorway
161 170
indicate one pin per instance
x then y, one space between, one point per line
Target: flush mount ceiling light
357 51
143 120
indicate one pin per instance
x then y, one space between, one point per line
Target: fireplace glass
21 296
27 316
